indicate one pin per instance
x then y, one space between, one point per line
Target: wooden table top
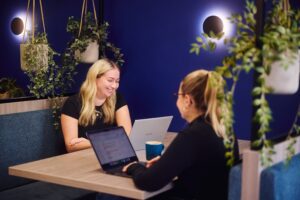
81 170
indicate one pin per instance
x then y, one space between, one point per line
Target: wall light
17 25
216 19
213 24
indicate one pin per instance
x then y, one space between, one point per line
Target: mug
153 149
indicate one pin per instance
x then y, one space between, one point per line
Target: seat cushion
235 182
281 181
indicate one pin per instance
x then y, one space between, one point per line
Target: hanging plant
89 38
47 79
281 36
34 52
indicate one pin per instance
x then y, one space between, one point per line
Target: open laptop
113 149
149 129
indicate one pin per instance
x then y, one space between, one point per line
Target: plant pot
34 57
90 55
285 80
4 95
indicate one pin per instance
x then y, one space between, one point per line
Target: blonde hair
204 87
88 92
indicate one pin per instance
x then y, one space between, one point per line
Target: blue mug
153 149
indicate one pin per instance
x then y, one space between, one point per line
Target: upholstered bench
28 136
281 181
277 182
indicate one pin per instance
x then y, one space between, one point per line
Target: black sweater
196 157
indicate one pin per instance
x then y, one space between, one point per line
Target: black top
72 108
196 157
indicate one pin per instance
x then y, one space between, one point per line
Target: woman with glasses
98 105
195 160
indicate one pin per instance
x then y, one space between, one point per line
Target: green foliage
91 31
9 89
281 34
51 81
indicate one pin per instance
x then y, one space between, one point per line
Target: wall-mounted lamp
215 19
213 24
17 26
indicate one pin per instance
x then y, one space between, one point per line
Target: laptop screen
112 147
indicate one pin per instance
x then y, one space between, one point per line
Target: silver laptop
149 129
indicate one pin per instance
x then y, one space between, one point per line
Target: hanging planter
39 61
284 76
88 37
89 42
90 54
34 52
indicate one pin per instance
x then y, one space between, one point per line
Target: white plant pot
284 81
41 56
90 55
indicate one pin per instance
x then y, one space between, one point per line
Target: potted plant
89 38
39 48
9 89
281 35
281 41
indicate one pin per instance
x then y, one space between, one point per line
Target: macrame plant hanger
33 19
91 53
38 50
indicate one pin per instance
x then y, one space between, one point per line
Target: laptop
113 149
149 129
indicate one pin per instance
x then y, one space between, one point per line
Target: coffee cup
153 149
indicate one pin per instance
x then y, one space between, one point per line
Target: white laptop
149 129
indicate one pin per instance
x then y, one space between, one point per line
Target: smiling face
108 83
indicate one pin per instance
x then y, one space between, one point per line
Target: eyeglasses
177 94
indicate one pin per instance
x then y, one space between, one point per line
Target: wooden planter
39 55
90 55
285 81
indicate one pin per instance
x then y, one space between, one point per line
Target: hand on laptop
152 161
126 167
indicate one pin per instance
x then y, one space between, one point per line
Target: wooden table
81 170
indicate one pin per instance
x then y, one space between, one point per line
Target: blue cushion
281 181
26 137
235 182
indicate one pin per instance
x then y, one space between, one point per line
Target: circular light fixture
17 26
213 24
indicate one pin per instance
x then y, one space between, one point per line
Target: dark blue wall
155 38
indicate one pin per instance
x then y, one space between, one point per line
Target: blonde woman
98 105
197 155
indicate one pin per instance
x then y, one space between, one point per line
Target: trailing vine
281 33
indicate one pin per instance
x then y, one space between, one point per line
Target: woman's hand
126 167
152 161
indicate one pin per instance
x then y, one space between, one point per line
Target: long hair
88 92
204 87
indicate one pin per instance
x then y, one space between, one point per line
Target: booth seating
27 134
280 181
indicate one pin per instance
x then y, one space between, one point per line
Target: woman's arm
70 131
123 118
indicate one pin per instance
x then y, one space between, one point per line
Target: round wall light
213 24
17 26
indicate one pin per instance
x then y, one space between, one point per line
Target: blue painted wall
155 38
